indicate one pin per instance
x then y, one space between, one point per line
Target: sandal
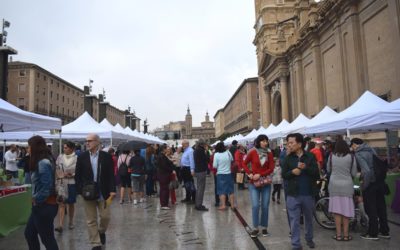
337 237
347 238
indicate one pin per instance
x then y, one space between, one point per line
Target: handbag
173 185
240 178
262 181
90 191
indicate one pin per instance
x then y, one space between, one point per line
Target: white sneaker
165 208
142 200
135 202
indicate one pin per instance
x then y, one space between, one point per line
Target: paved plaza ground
147 227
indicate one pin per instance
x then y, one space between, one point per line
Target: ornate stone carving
275 88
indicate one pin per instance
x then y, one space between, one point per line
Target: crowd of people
95 175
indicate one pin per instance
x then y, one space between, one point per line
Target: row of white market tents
17 124
369 113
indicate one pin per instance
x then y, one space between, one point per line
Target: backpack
123 168
137 164
380 168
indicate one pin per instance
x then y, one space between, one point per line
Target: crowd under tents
76 130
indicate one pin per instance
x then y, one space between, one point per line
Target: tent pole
348 133
60 146
4 152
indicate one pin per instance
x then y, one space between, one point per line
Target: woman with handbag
262 164
65 172
44 205
225 186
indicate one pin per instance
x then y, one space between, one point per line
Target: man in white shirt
11 162
187 171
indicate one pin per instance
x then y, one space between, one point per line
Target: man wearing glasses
95 167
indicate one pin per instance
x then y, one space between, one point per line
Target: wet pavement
145 226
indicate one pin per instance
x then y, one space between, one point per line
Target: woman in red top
261 165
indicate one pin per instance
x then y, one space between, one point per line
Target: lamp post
5 51
3 35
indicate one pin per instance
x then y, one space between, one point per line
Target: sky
155 56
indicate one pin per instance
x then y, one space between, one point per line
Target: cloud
155 56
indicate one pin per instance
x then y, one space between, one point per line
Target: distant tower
207 123
188 124
207 117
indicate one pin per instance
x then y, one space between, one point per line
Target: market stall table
396 199
20 175
15 207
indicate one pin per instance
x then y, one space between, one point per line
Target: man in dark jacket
300 171
373 192
200 168
96 166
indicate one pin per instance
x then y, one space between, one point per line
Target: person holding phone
300 170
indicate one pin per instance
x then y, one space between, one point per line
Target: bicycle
326 219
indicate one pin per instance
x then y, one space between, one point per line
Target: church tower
188 124
207 123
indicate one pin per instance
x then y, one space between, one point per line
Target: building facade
185 129
32 88
206 131
328 53
37 90
242 112
219 123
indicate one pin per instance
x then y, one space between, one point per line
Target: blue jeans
255 194
41 222
295 205
150 184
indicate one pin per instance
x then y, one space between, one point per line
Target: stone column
284 96
268 105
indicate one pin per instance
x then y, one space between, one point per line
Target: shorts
125 181
138 183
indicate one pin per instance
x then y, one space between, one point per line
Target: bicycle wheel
323 217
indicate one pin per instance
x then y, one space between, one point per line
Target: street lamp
3 35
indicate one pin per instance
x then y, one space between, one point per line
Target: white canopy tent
282 125
297 123
85 125
387 118
325 114
249 136
367 103
118 135
25 135
270 128
229 140
15 119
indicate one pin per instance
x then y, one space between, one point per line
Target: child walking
277 182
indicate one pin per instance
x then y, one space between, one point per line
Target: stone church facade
327 53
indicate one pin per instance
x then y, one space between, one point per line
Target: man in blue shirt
187 171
